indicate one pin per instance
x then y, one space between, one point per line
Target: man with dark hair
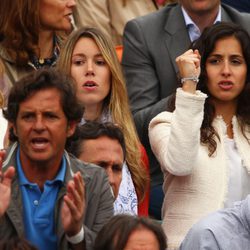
102 144
151 45
57 202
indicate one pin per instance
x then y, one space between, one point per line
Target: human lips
90 85
69 17
39 143
225 84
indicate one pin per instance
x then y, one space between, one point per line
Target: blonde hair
117 102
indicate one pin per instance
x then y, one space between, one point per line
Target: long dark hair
206 44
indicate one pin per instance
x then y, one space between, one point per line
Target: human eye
51 116
27 116
101 164
213 60
78 61
100 61
117 168
237 61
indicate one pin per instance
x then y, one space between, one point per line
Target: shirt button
35 202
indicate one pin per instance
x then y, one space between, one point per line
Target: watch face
1 100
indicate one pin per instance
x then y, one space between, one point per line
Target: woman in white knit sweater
203 145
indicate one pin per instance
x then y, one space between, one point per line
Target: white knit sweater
194 183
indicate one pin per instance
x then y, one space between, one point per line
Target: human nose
110 176
39 124
226 70
71 3
90 69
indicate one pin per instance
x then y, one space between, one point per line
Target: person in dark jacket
57 201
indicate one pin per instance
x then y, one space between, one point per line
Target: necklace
38 63
41 60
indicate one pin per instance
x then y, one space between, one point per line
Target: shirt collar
193 29
105 117
24 181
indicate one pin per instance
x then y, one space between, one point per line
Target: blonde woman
90 58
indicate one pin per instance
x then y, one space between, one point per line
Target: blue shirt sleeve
200 239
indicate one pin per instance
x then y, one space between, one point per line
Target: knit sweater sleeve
175 137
